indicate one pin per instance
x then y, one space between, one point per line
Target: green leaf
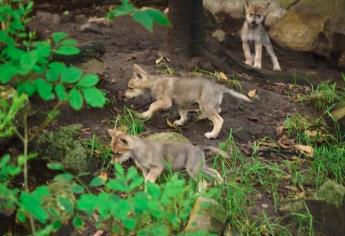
64 177
75 99
69 42
88 80
55 166
43 50
78 223
55 69
67 50
61 92
71 75
143 18
94 97
129 223
87 203
27 62
78 189
32 203
58 36
7 72
4 160
117 185
65 204
96 182
45 89
26 87
158 16
125 9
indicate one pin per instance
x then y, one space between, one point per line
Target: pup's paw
178 123
257 66
145 115
171 125
210 135
277 68
249 62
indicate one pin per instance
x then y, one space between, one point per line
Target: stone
168 137
59 189
94 66
332 193
81 18
206 216
303 32
63 145
90 28
219 35
48 17
234 8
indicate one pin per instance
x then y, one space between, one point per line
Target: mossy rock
332 193
64 145
60 192
168 137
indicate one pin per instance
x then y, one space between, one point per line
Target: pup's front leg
153 174
247 53
258 55
156 106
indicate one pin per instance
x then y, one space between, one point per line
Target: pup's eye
259 16
251 14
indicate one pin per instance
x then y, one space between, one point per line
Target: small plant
146 17
219 77
163 66
128 120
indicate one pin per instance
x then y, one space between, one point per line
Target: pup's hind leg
274 59
217 120
183 116
214 174
156 106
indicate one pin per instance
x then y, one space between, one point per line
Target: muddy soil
125 43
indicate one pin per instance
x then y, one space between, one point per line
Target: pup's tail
216 150
237 95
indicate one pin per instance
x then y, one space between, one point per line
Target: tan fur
153 157
253 30
184 91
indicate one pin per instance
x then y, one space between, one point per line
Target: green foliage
28 65
146 17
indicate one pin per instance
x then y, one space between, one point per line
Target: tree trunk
186 36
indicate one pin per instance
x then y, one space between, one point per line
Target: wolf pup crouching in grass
253 30
185 92
153 157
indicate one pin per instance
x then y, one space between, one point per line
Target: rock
235 8
168 137
327 208
81 18
206 216
90 28
219 35
332 193
57 190
63 145
93 66
48 17
303 32
341 60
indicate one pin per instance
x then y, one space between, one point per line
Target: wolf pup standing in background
253 30
184 92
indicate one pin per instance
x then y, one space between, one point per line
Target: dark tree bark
186 36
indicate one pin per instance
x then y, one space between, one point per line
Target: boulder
168 137
311 26
206 216
327 208
64 145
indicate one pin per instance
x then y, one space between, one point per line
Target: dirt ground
125 43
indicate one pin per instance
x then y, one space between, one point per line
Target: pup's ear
267 5
138 69
247 4
111 132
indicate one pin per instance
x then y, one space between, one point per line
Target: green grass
129 121
329 163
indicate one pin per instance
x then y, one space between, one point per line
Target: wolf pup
253 31
153 157
184 91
